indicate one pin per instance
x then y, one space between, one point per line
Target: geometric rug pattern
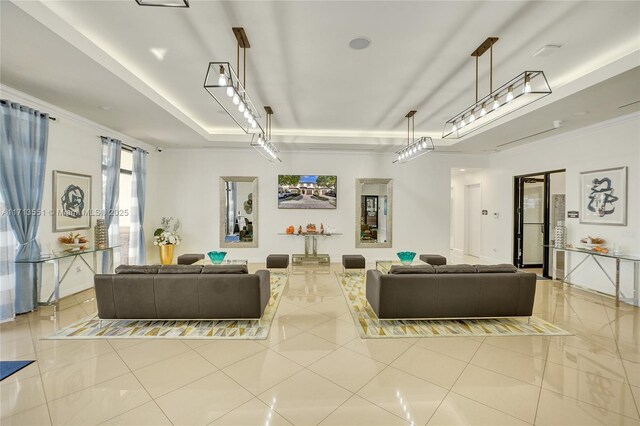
370 327
250 329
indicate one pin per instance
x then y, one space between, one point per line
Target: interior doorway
533 217
473 220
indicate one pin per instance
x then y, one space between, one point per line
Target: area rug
92 328
370 327
8 368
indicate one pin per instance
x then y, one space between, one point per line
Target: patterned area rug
92 328
370 327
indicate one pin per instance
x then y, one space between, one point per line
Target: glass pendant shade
164 3
526 88
419 147
262 144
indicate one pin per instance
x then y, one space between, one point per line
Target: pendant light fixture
164 3
262 142
415 147
524 89
223 84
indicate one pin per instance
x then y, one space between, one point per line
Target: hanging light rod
262 143
524 89
416 148
224 85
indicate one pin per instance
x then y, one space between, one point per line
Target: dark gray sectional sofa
451 291
182 292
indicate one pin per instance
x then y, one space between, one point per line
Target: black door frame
518 183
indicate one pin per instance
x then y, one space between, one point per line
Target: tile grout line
46 401
544 371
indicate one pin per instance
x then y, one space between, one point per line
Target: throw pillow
455 269
137 269
501 268
407 269
225 269
180 269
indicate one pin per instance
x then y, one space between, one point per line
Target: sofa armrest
373 289
103 285
265 288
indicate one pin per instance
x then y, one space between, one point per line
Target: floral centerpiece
166 237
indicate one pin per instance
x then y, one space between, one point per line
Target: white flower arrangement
167 233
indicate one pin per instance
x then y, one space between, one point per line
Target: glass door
531 222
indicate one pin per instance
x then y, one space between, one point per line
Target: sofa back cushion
225 269
455 269
501 268
137 269
410 269
180 269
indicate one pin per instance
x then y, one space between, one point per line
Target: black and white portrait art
71 201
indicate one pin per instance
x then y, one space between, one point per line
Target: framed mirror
374 212
238 211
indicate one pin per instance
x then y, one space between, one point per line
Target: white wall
459 182
74 146
420 199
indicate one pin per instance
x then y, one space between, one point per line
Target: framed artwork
71 201
603 196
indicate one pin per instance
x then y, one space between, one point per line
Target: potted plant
166 237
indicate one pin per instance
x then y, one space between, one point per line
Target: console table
590 254
55 261
207 261
311 254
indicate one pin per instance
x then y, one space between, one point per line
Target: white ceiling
84 54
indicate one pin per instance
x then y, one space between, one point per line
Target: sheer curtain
23 156
137 249
8 245
111 151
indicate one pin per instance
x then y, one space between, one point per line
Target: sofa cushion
408 269
501 268
455 269
225 269
137 269
180 269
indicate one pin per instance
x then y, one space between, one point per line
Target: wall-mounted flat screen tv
307 191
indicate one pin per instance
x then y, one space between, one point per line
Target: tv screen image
307 191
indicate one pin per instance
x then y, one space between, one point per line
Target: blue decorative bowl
406 257
218 256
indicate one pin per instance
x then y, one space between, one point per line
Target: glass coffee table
384 266
207 261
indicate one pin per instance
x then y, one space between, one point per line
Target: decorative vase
166 254
217 256
406 257
560 235
101 236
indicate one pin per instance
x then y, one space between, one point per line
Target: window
124 203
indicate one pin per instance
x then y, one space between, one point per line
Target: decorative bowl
406 257
217 256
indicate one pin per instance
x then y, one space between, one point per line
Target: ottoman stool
188 259
433 259
353 261
278 261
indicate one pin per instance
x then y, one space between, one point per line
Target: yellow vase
166 254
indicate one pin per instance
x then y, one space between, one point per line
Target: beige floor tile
513 364
338 332
598 362
358 411
254 412
629 351
19 348
635 390
305 398
459 410
592 342
431 366
261 371
346 317
304 319
305 348
204 400
279 332
555 409
222 353
286 308
42 345
461 348
19 394
347 368
633 372
76 351
99 403
170 374
82 374
150 352
119 344
383 350
148 414
600 391
535 346
511 396
196 343
38 416
15 329
330 308
401 394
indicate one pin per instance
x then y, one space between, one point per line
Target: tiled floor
314 369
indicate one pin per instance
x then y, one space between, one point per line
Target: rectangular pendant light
262 143
419 147
164 3
526 88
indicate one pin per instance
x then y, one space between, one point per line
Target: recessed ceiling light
359 43
105 107
547 50
463 170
